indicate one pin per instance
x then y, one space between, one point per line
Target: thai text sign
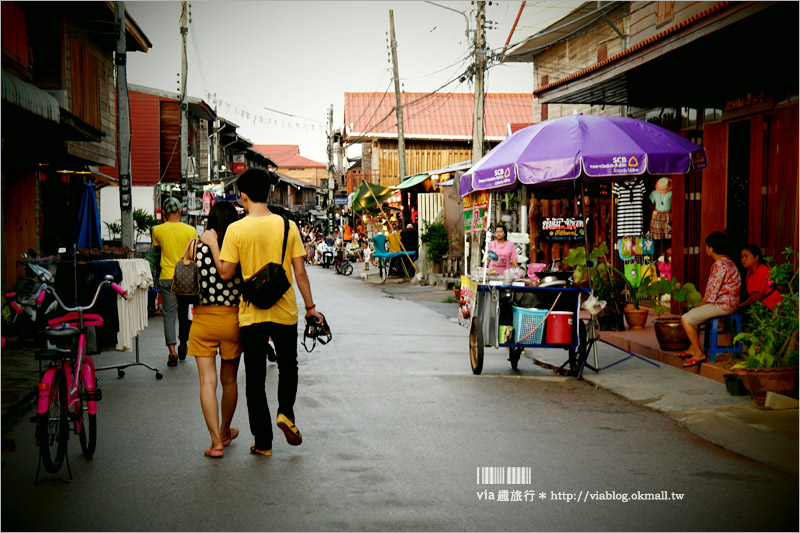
562 229
474 211
239 163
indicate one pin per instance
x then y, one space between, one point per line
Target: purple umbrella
595 146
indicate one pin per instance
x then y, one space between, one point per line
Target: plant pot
610 322
670 334
782 380
457 292
735 384
636 318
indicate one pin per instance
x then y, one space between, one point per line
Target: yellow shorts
215 326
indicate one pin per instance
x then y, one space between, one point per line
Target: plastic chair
712 348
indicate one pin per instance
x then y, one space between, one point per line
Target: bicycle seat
71 319
51 354
62 332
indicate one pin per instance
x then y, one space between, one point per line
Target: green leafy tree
434 237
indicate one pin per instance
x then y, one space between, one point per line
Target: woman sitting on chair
721 297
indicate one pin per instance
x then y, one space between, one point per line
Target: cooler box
559 327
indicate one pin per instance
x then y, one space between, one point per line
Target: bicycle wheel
347 269
86 425
52 428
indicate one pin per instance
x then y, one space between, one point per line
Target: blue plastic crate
525 320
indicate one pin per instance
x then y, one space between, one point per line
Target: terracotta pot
457 292
670 334
636 318
782 380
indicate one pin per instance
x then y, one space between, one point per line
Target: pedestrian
216 326
721 296
170 239
252 243
759 287
366 253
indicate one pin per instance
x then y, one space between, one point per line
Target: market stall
517 311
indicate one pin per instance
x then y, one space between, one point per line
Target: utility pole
123 131
401 143
480 65
184 108
331 174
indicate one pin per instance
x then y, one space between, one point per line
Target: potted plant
669 330
509 201
635 315
771 353
606 285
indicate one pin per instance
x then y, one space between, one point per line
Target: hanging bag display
269 284
186 279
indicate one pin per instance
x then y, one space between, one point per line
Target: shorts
698 315
215 326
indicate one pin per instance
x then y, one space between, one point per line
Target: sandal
694 362
684 355
172 361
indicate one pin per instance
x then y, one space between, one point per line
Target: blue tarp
87 225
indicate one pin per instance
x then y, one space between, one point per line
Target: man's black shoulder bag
269 284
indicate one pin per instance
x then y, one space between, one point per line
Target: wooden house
291 163
716 73
58 117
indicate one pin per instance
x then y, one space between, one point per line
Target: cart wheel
476 348
577 356
513 355
120 373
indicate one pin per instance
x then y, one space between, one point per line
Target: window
15 35
602 53
665 12
85 77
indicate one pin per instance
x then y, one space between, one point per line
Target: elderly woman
759 287
721 296
502 253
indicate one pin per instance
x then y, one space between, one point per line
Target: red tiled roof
287 156
638 46
432 116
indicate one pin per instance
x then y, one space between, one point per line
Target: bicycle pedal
92 395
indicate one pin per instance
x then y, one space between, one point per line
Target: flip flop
694 362
684 355
213 454
234 434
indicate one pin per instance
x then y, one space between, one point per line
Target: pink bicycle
68 390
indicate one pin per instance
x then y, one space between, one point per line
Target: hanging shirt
663 202
630 219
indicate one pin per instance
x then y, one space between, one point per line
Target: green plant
509 201
772 341
605 284
114 228
143 222
686 292
434 237
450 300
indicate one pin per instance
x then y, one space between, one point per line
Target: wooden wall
19 220
170 133
420 157
313 176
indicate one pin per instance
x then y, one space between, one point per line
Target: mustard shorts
215 326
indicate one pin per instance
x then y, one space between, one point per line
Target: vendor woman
502 253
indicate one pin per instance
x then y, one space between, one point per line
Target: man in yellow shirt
170 239
253 242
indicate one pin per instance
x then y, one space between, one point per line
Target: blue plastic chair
712 348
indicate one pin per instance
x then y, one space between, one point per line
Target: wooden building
292 164
686 66
58 117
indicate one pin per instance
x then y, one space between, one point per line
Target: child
367 253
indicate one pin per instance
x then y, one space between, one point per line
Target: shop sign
239 163
474 211
340 200
562 229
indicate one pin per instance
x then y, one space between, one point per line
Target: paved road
396 428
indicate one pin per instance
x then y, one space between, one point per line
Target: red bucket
559 327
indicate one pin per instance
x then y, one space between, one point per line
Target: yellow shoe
255 451
286 425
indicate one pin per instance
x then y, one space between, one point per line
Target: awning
413 180
453 167
29 97
366 195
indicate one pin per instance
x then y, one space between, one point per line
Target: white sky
300 57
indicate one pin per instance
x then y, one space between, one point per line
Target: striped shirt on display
630 218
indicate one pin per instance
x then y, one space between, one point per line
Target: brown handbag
186 280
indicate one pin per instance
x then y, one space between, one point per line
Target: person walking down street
759 287
216 326
721 296
252 243
170 239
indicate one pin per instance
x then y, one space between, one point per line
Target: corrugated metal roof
440 116
29 97
287 156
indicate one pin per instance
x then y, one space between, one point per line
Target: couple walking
231 250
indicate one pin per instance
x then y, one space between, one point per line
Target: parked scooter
326 258
28 307
341 263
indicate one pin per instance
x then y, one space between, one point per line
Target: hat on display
664 185
171 205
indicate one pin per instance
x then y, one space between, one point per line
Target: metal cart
492 306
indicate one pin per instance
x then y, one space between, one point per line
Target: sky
276 67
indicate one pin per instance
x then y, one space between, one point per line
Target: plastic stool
710 338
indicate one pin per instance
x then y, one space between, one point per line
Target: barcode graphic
504 475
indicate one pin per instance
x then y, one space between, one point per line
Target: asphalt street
397 436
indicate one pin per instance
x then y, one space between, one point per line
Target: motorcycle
27 307
327 254
341 263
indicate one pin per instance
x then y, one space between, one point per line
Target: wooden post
401 143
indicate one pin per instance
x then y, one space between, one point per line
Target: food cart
571 149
